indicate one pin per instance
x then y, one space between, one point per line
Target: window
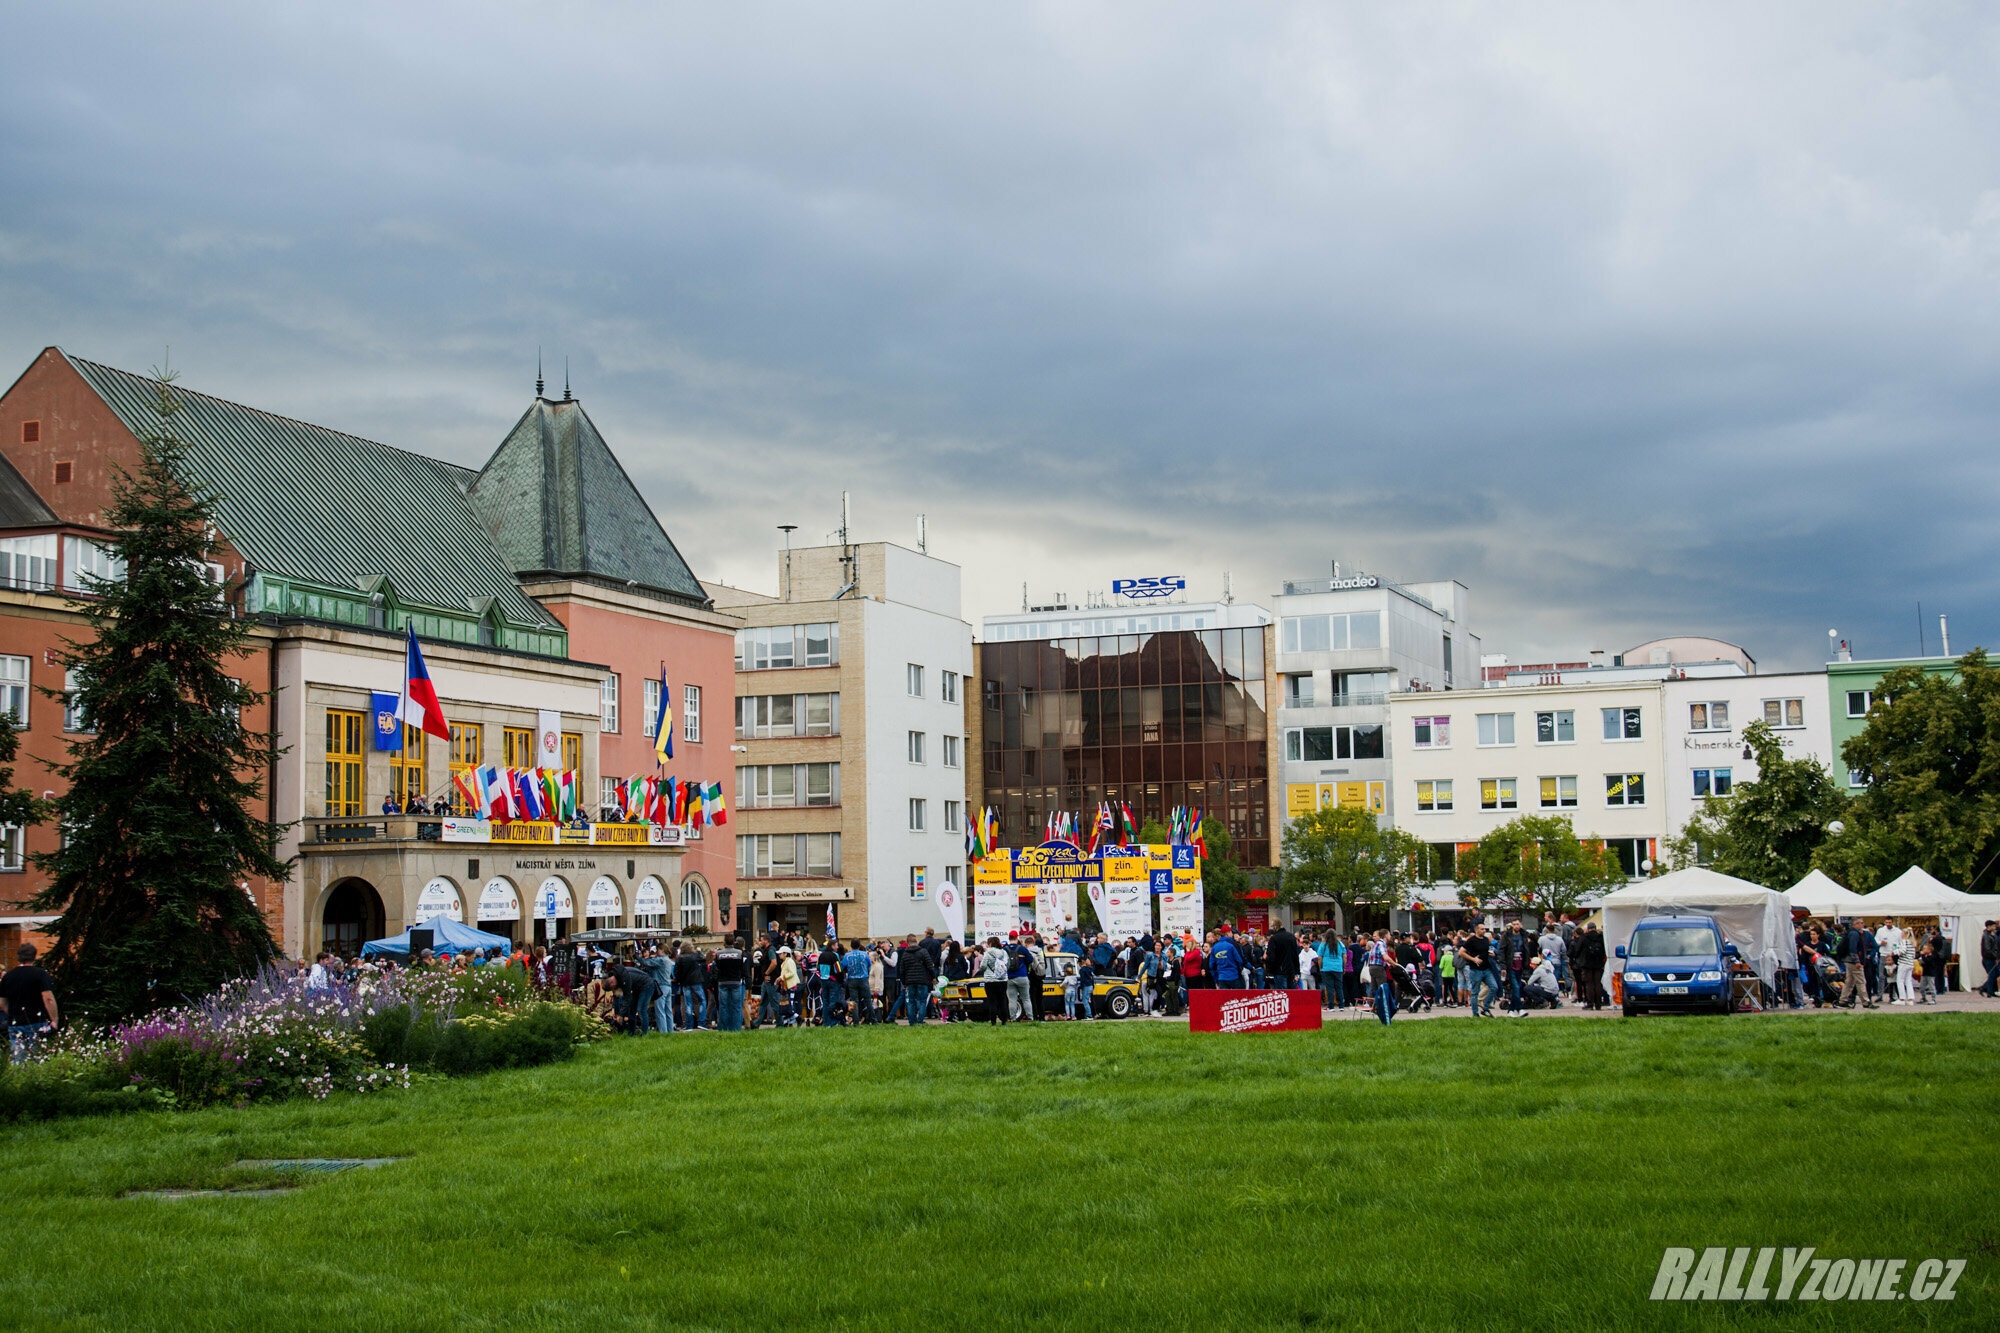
1708 717
344 731
1856 778
951 809
913 681
607 704
694 904
787 855
765 715
468 751
1711 782
1858 701
75 719
822 854
917 805
14 690
918 889
1496 728
951 750
1559 793
916 747
64 471
775 786
607 798
1556 727
31 432
774 646
948 686
406 767
1320 634
518 748
821 714
86 565
1621 724
650 723
691 714
11 857
1625 789
1497 794
1317 744
28 562
1784 712
572 751
1434 795
1433 733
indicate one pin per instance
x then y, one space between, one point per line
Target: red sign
1253 1011
1255 920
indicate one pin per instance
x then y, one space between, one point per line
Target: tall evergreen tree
159 837
18 808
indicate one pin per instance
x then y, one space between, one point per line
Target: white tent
1960 915
1821 896
1757 920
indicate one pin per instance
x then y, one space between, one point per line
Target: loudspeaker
420 940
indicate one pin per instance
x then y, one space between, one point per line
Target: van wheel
1631 1010
1726 1005
1119 1004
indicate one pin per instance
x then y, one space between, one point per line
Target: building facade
849 725
1345 644
1850 689
1705 755
1153 707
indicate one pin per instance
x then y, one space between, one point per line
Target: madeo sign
1159 587
1359 581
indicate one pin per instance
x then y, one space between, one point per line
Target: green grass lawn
1444 1174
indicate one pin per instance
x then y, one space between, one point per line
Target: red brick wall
76 427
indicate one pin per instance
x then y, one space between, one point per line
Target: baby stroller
1422 983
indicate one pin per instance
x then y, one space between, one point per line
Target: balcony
1355 700
319 835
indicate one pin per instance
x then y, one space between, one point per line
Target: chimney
1944 635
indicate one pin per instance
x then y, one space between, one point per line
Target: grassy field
1105 1176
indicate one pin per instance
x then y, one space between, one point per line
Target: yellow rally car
1110 997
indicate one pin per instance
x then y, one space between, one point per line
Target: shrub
197 1069
536 1035
70 1083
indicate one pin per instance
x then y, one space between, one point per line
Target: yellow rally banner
525 831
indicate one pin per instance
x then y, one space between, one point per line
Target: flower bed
274 1037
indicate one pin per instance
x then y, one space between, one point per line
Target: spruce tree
159 835
18 808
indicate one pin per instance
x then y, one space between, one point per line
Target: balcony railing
1354 700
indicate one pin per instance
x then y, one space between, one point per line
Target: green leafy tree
1344 854
1225 885
1538 863
1930 755
159 838
18 808
1764 831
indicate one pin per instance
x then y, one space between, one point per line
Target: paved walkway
1957 1002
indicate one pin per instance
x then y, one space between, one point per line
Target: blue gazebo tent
446 936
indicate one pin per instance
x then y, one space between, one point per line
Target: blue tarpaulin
447 936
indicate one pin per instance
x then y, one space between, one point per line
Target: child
1086 985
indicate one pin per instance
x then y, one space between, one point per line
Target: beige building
850 782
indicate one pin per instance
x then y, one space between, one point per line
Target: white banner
951 906
1181 913
440 898
651 900
995 911
498 901
603 899
1055 908
548 733
1124 909
466 830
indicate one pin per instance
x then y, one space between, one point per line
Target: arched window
694 904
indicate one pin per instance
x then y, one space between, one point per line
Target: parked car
1678 962
1110 997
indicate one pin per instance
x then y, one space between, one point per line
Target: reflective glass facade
1154 720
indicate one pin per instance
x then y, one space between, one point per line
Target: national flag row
506 794
669 800
1113 825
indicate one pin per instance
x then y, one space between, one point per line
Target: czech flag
420 707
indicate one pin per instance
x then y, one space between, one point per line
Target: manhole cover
315 1163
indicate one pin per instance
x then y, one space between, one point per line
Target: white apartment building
850 724
1346 644
1705 716
1470 761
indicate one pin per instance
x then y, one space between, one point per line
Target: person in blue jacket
1225 961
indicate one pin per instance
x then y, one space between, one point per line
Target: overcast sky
1636 320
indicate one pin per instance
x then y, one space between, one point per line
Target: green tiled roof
555 500
305 502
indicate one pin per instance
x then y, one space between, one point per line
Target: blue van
1678 962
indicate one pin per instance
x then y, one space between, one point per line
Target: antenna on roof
538 372
565 379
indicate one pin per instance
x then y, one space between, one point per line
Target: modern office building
1156 704
850 727
1345 644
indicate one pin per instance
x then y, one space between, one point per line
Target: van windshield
1673 942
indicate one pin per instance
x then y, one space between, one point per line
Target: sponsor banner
1055 908
603 899
994 870
498 901
1056 861
622 835
1255 920
1253 1011
1126 870
1125 909
951 906
466 830
651 898
524 830
1181 913
995 911
583 836
440 898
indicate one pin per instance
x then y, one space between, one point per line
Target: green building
1851 689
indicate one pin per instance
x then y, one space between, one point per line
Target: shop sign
440 898
498 901
1254 1011
832 893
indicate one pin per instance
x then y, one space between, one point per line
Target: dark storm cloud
1639 321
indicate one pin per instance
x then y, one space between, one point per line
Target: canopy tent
1757 920
1916 893
1819 895
447 936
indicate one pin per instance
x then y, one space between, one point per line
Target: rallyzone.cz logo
1265 1010
1734 1275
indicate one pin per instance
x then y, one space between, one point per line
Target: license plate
1673 990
